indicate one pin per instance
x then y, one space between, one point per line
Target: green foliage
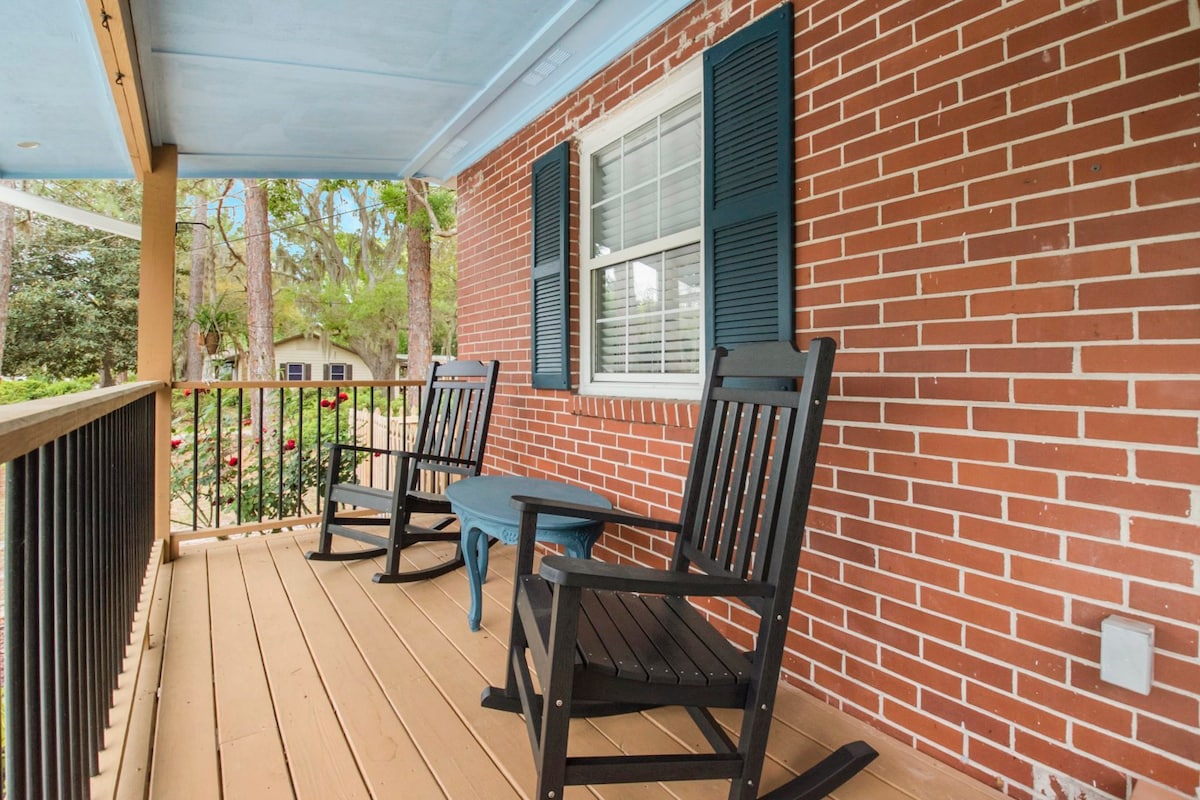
36 387
73 308
394 195
117 199
212 317
225 324
445 206
282 202
241 476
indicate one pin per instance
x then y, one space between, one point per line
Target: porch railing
79 530
251 456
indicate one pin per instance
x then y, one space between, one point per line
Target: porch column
156 295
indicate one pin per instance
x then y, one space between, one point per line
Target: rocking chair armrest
589 574
383 451
539 505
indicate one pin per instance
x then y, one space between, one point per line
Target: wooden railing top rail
27 426
193 385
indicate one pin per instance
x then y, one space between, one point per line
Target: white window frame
681 85
335 365
287 370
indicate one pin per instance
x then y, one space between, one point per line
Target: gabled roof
293 88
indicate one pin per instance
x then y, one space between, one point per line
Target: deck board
251 752
321 683
461 765
446 602
185 750
134 769
389 760
319 757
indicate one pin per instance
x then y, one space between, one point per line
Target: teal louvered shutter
550 356
748 202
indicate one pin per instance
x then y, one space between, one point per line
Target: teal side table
484 509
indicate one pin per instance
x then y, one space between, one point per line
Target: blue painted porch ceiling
53 91
303 88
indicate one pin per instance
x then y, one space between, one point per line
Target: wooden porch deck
285 678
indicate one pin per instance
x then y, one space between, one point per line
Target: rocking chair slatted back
453 425
754 448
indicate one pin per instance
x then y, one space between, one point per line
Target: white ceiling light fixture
30 145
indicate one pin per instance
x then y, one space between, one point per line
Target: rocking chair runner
607 638
451 435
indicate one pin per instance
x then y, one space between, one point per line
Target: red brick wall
999 221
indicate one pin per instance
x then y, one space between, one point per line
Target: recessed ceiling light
28 145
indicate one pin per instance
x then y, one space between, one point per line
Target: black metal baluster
241 427
15 676
319 448
299 452
216 520
76 694
62 677
195 460
32 624
262 403
279 450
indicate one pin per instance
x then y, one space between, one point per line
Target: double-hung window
338 372
295 371
641 278
685 241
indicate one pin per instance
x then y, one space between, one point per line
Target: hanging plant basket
215 321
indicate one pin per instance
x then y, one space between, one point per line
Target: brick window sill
669 413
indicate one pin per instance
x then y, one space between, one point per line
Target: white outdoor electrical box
1127 653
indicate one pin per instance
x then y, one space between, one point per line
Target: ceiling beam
112 22
52 208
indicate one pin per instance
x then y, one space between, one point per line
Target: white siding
313 351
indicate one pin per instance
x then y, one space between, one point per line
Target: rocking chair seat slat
732 660
656 667
353 494
645 638
601 645
695 662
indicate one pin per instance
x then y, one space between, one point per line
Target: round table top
490 497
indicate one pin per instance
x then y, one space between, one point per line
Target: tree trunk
7 239
197 294
420 308
260 303
379 357
260 310
106 373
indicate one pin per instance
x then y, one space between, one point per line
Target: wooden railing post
156 295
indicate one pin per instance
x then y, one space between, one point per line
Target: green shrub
37 387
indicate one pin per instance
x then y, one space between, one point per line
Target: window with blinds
686 222
642 249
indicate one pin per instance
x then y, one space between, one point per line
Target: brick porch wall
999 221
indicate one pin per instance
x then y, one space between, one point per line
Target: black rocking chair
606 638
449 445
